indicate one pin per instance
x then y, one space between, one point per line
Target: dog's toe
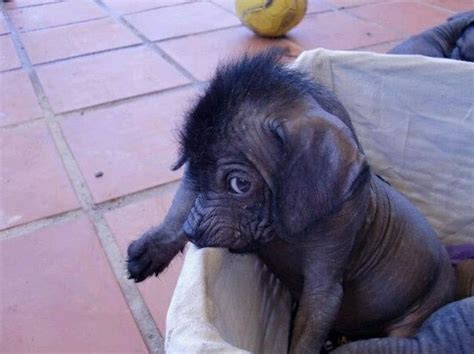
139 269
148 257
136 249
139 263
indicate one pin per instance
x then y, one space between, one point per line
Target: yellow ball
270 18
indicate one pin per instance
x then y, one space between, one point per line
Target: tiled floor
91 93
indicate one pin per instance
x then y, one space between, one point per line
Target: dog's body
394 272
274 167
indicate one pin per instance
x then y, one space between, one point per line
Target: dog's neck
371 242
336 235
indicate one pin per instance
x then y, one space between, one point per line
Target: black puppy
273 166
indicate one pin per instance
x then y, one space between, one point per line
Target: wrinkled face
233 207
269 153
266 176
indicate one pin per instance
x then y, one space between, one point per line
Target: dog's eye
239 185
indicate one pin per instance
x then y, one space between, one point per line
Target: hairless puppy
453 39
273 166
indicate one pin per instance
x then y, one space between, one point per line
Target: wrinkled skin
453 39
290 182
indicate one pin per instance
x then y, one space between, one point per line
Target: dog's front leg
317 310
157 247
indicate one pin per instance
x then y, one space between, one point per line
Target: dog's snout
188 229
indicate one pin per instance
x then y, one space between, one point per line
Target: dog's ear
321 167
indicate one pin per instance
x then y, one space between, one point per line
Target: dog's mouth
222 237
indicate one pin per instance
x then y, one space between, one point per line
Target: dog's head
269 152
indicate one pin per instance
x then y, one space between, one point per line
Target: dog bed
414 117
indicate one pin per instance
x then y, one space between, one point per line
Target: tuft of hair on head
261 81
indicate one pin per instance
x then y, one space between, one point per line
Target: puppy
273 166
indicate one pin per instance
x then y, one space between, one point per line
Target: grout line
139 310
197 33
61 145
135 197
377 44
22 124
128 46
33 5
10 70
126 99
23 229
119 18
438 7
78 56
62 115
102 207
144 320
381 43
222 7
155 8
354 6
21 31
334 9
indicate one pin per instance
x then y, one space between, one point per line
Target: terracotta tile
454 5
200 54
62 295
133 143
33 181
127 224
313 5
15 4
8 58
319 6
337 30
76 39
181 20
352 3
18 100
406 17
127 6
380 48
100 78
3 25
229 5
55 14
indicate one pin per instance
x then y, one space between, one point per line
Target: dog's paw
148 256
